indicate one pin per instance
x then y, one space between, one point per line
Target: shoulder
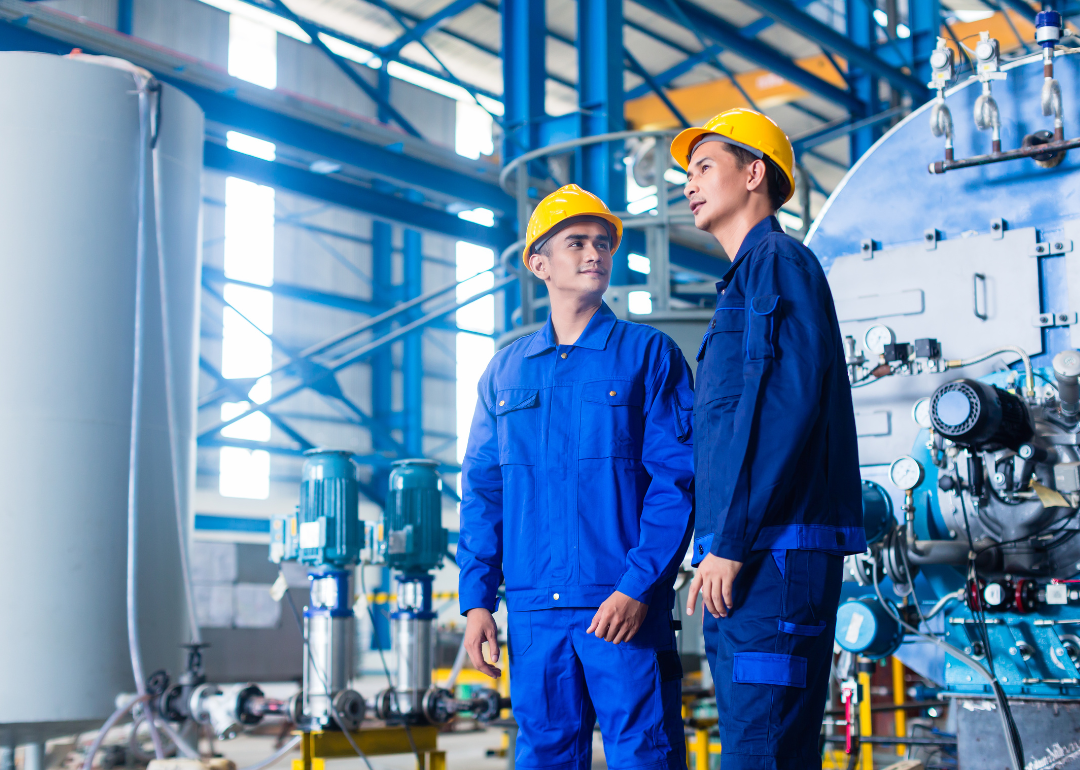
787 259
647 337
507 360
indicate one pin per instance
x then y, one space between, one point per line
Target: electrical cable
1016 754
170 396
136 411
1028 370
285 749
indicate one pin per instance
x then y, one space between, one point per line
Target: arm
667 519
789 349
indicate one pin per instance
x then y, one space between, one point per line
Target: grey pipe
1067 374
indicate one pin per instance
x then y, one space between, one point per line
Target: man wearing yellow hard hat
576 490
778 492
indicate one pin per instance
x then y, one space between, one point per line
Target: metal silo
69 182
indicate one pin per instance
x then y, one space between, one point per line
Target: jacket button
701 549
722 292
612 393
555 597
712 324
564 355
502 403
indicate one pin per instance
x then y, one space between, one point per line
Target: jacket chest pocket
612 420
517 414
720 373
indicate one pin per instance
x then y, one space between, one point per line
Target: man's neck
732 231
570 316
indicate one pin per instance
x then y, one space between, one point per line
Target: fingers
492 634
476 655
716 589
695 588
602 624
595 621
489 670
614 629
727 592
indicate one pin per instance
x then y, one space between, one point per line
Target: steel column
924 21
413 362
600 52
524 61
382 362
862 30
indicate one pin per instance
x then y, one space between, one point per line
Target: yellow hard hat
743 128
565 203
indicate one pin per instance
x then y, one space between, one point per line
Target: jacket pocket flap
796 629
613 392
729 320
769 668
516 398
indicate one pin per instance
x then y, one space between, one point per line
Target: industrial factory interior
283 328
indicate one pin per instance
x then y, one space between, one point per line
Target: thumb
695 588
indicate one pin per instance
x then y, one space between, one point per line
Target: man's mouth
593 271
695 205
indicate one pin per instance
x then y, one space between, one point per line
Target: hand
618 618
714 578
479 628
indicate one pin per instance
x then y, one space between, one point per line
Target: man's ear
756 173
537 265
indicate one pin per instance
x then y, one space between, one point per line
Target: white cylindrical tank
68 235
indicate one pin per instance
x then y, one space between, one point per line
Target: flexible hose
289 745
110 723
170 403
459 663
184 747
136 413
1028 371
1015 755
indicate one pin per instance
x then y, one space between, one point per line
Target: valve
987 70
943 69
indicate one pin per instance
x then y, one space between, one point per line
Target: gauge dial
877 337
906 473
920 413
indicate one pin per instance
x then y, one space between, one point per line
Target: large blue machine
951 250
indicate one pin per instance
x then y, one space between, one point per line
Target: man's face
716 187
579 261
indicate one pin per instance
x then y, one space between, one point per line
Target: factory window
246 350
252 51
473 351
472 135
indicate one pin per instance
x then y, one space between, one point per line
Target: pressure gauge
906 473
877 337
920 413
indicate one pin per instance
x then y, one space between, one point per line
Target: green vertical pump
411 536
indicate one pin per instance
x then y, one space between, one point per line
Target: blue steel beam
524 60
428 24
726 34
347 69
412 362
353 196
303 293
600 55
663 78
657 89
856 55
382 363
862 29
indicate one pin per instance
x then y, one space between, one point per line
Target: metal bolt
1012 650
1059 246
1040 248
929 236
995 226
866 247
1063 317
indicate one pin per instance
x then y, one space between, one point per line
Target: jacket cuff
727 548
635 589
466 603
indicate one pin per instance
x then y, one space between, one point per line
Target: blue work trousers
564 680
771 658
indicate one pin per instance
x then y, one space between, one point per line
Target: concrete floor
464 751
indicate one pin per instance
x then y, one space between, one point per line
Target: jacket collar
756 235
594 337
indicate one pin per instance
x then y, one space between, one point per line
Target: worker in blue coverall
776 461
576 490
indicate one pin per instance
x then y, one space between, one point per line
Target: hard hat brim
611 219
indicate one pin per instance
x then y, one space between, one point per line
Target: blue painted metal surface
523 60
895 171
441 16
382 361
412 362
599 167
862 30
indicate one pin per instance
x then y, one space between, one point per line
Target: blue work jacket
577 479
776 455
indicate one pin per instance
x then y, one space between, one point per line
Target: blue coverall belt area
577 477
565 680
770 659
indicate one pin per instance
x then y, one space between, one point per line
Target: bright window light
639 263
249 145
244 473
267 19
254 427
485 217
971 16
350 51
902 31
249 232
252 51
404 72
789 221
245 351
674 176
472 134
473 352
639 302
642 205
881 17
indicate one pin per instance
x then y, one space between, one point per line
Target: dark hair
776 182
